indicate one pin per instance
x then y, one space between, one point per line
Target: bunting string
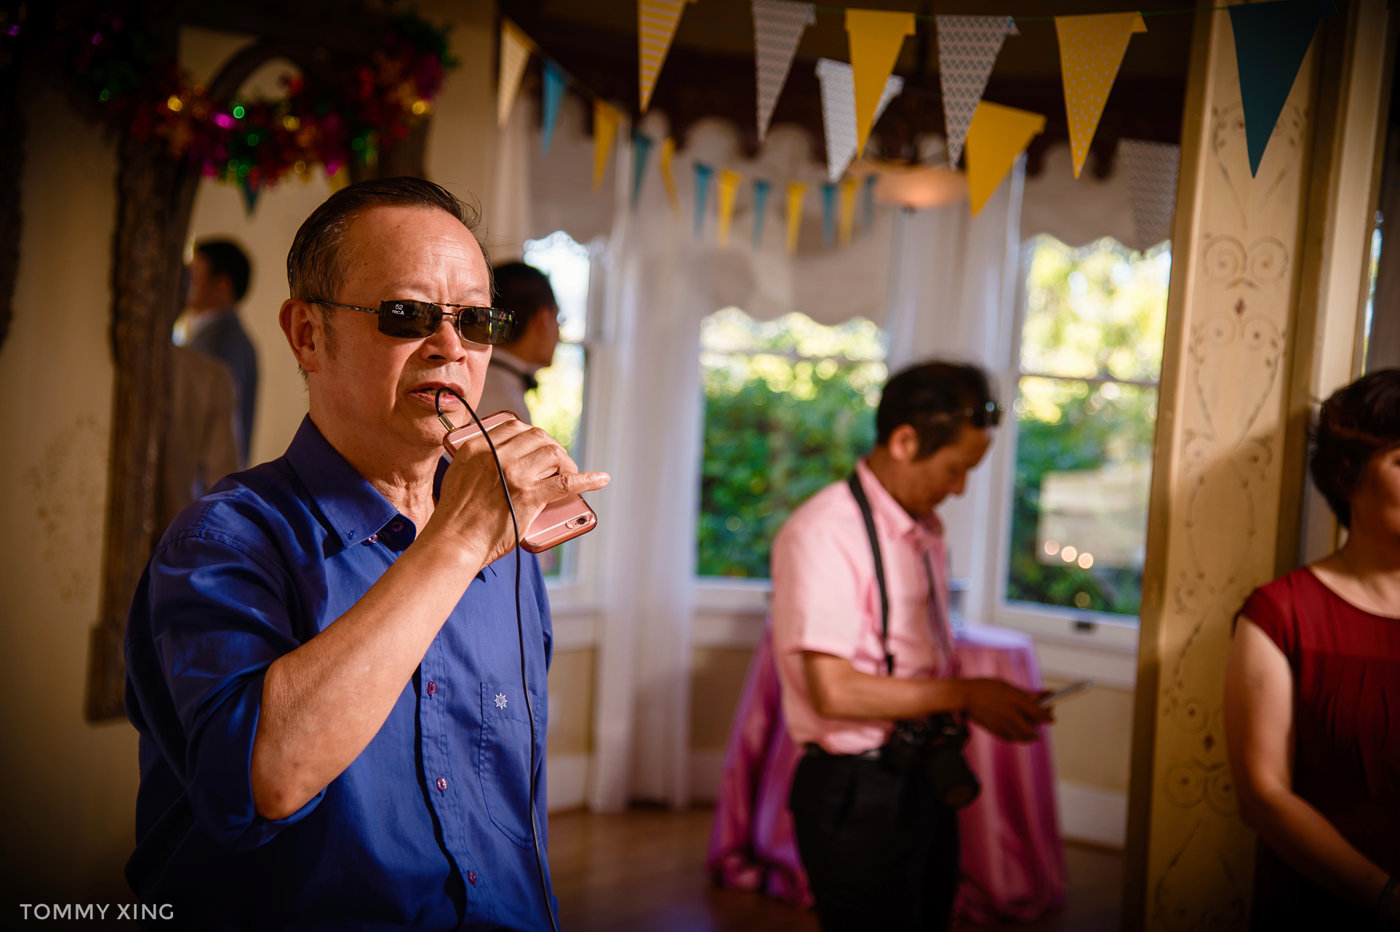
983 137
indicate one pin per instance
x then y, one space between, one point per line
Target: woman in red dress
1312 691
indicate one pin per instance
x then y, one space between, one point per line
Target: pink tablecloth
1012 857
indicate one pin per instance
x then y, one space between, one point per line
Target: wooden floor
644 870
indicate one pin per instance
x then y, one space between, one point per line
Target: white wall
69 786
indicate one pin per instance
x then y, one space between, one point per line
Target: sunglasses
989 415
417 319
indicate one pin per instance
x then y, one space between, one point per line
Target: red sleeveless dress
1346 740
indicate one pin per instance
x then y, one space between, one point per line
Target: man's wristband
1383 901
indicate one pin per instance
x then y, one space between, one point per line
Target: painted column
1217 484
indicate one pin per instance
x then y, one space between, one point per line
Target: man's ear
903 444
305 332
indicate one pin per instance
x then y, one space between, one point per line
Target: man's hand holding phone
1073 689
543 479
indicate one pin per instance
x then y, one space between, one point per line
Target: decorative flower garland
254 143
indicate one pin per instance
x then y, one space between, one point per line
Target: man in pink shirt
876 829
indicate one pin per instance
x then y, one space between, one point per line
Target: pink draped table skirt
1012 857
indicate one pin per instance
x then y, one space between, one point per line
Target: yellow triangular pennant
875 37
515 53
605 120
1091 52
796 190
848 209
656 26
668 153
728 185
996 136
338 179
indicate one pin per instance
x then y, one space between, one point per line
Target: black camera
933 745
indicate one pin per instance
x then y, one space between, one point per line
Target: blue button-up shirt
429 828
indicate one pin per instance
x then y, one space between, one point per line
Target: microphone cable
520 637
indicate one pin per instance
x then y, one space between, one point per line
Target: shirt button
471 877
396 526
372 539
432 688
442 784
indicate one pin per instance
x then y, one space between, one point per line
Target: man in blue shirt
322 656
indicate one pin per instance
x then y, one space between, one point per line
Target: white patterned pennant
1150 169
967 49
777 28
839 111
515 52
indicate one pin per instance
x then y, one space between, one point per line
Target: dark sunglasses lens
408 318
489 325
988 416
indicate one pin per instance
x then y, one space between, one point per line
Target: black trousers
879 851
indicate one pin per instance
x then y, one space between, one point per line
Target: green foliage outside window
1086 411
789 407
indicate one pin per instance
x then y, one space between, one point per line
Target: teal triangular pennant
554 83
703 173
641 149
760 202
828 215
1271 40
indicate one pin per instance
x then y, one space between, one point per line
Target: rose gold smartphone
560 521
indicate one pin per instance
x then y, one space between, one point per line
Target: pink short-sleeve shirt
826 599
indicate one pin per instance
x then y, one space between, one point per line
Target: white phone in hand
1064 692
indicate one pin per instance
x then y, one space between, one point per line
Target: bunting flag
760 202
337 177
1271 40
839 111
703 173
515 52
641 149
876 37
1091 52
796 191
995 138
605 121
967 50
777 28
250 195
1150 169
554 83
668 178
728 186
829 214
656 27
848 208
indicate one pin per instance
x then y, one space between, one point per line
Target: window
557 405
1084 414
789 407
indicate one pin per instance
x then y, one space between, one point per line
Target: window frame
725 594
1073 643
577 594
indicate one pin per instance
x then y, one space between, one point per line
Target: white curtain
937 281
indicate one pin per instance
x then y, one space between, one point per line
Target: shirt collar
501 356
355 509
204 319
922 532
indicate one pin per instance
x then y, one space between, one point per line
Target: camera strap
865 512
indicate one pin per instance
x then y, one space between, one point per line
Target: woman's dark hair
936 399
1357 422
